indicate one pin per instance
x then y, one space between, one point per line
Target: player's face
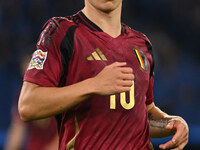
105 5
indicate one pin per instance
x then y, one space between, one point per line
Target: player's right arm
38 102
40 95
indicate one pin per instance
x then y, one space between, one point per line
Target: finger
126 70
170 125
183 142
123 89
179 133
182 131
118 64
175 140
130 77
169 144
180 147
126 83
183 139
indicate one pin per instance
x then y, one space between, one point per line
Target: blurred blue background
173 26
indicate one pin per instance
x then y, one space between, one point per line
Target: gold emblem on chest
97 55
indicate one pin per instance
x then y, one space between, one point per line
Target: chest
93 52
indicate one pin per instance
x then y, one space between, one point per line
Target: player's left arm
163 125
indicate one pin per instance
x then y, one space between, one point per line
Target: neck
109 22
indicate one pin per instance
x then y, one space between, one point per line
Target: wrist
91 86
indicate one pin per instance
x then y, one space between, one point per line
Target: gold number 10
123 102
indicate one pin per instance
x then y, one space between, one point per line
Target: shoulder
55 23
142 37
137 34
55 28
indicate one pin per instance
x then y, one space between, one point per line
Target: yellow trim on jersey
71 143
151 146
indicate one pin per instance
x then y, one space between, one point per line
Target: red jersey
72 49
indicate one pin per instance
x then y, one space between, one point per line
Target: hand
114 78
180 138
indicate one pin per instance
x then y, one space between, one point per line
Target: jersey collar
88 23
93 26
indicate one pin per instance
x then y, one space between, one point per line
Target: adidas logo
97 55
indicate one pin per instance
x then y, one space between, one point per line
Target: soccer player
96 76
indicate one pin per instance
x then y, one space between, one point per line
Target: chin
107 7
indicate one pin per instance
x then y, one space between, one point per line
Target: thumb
170 125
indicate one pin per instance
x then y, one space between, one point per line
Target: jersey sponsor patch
37 60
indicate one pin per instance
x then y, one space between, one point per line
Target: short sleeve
149 95
150 57
45 67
